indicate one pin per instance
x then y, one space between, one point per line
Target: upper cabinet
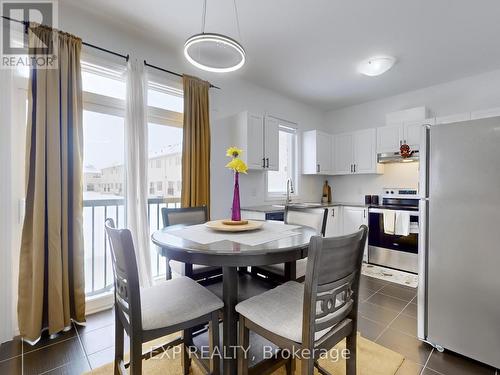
343 153
355 153
316 152
271 143
258 137
365 153
390 138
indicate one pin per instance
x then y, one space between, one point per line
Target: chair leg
214 344
186 360
119 337
244 342
135 356
307 366
351 346
168 270
290 367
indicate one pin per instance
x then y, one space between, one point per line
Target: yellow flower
237 165
233 152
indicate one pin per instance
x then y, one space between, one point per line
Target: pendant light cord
237 20
203 16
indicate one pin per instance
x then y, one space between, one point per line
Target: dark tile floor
387 316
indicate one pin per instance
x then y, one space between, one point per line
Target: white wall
235 95
467 94
354 188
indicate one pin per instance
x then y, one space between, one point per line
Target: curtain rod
126 57
170 72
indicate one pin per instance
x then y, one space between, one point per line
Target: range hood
395 157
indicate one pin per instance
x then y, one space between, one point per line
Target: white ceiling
309 49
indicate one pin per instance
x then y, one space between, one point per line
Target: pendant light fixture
215 52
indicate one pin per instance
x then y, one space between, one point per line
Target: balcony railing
98 271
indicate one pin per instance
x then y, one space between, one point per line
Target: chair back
126 278
332 284
309 217
184 215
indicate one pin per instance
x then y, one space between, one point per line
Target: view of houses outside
164 177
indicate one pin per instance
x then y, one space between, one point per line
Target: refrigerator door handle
423 245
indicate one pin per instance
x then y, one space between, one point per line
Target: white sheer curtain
6 224
136 159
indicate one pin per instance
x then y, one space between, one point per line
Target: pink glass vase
236 211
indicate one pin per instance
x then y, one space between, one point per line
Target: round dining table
231 255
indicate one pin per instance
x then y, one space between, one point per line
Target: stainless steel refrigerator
459 261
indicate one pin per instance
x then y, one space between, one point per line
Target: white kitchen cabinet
271 143
258 137
355 153
316 152
334 222
390 138
352 219
412 133
364 150
343 153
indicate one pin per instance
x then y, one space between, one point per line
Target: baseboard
99 303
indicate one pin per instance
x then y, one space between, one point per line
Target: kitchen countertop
264 208
276 208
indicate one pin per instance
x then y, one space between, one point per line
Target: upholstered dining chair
187 216
309 217
150 313
316 314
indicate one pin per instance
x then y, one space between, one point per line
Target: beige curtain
196 144
51 274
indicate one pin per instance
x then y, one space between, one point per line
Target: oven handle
381 210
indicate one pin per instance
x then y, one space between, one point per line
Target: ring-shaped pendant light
215 40
215 52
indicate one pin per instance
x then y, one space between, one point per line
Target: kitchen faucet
289 190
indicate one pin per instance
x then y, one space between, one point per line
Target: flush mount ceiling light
215 52
375 66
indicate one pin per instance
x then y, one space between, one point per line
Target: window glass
102 85
171 100
165 146
276 180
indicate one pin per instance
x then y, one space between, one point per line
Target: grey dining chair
309 217
150 313
316 314
187 216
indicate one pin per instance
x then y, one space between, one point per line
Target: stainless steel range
389 248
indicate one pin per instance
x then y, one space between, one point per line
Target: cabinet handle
351 168
364 214
317 168
405 142
354 168
333 212
263 162
400 142
267 162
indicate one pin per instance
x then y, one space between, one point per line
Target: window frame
291 128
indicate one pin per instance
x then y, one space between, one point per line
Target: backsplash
353 188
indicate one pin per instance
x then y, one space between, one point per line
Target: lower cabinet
334 222
345 220
353 218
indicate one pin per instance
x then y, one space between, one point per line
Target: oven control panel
399 193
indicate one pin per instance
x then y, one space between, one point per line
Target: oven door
400 252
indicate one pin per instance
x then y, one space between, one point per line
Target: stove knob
392 192
387 191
